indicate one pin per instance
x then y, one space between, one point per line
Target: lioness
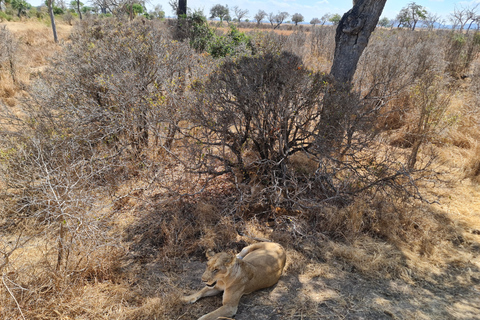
256 267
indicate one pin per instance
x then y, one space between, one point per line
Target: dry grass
341 261
36 46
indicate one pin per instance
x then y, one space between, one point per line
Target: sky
317 8
308 8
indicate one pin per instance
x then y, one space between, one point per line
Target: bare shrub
321 47
253 114
393 61
127 81
117 90
431 99
274 43
268 103
68 18
460 51
50 202
405 72
8 54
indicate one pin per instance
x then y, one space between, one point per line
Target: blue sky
308 8
316 8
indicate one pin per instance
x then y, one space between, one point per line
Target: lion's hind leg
249 249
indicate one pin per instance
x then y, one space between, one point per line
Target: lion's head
218 266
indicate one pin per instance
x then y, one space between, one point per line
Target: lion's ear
210 253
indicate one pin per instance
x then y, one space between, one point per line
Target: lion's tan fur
257 266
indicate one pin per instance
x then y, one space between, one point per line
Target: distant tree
228 18
472 15
315 21
335 19
459 17
271 18
410 15
21 6
384 22
432 21
76 4
157 12
260 16
219 11
239 13
102 5
297 17
86 9
277 19
325 18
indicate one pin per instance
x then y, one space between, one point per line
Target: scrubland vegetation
134 146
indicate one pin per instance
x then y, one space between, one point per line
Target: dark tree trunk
52 19
78 8
182 7
352 36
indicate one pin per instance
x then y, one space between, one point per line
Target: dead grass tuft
180 229
472 166
369 256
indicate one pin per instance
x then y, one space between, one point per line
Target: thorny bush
253 114
116 90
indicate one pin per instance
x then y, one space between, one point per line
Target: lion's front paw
189 299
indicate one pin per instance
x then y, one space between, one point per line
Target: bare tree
353 33
271 18
260 16
472 16
432 20
277 19
325 18
239 13
459 17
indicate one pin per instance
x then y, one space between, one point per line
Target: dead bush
121 84
321 42
112 93
460 51
9 53
179 229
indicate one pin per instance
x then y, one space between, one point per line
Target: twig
11 293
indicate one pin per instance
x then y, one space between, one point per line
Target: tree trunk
78 8
412 159
52 19
182 7
352 35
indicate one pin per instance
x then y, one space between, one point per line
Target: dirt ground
324 291
320 285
